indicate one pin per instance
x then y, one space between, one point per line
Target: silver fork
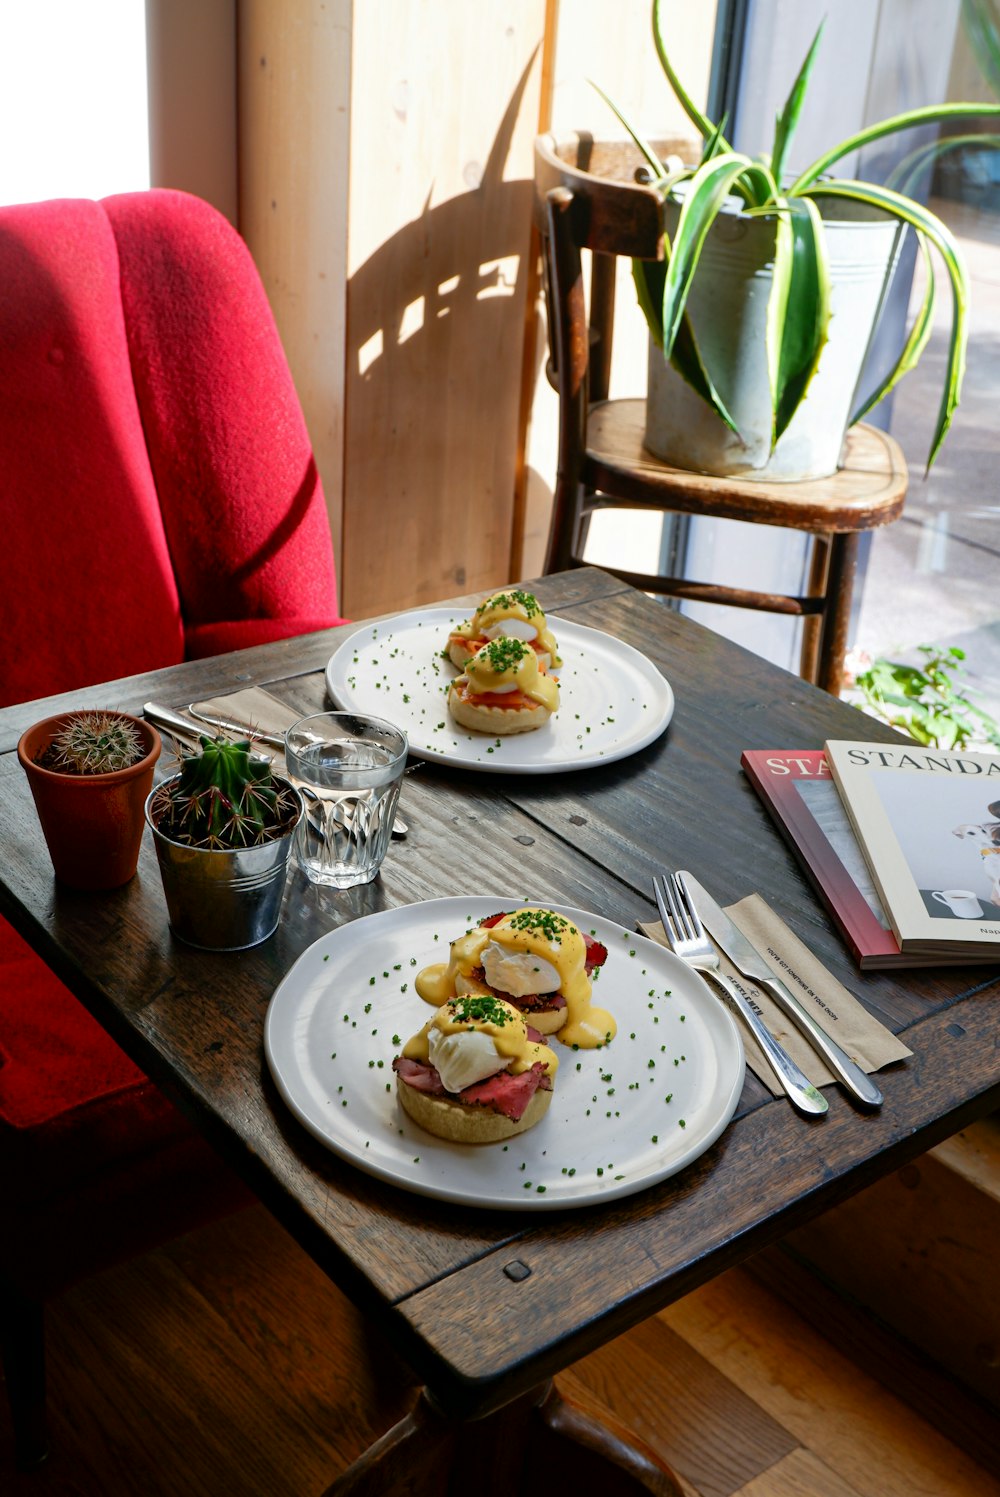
686 937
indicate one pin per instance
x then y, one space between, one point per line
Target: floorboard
226 1365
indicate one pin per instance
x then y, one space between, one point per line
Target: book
928 824
798 790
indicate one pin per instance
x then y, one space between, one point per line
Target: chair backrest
587 198
158 491
615 214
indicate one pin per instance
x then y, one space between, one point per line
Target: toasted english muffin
481 717
463 1123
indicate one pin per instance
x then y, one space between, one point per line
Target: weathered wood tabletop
431 1274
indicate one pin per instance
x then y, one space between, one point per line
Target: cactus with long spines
225 796
92 743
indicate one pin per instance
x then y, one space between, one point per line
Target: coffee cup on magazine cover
961 902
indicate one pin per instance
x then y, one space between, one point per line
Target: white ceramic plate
613 701
621 1118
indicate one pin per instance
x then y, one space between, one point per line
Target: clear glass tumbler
348 770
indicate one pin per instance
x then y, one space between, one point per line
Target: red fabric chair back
158 491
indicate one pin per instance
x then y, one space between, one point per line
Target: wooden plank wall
294 68
385 163
444 113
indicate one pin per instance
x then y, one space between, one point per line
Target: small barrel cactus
94 743
224 797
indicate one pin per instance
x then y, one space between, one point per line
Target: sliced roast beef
597 954
505 1093
418 1074
502 1093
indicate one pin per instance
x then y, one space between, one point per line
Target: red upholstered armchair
159 500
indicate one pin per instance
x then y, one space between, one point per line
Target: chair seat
71 1102
868 489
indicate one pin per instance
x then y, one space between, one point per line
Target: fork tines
670 892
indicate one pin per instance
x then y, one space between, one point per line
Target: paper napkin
255 708
841 1015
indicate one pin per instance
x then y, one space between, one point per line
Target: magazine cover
799 792
928 823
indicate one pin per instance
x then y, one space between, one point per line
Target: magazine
799 792
928 823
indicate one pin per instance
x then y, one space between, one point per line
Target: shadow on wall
435 348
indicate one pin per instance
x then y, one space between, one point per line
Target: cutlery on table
179 725
686 937
744 955
273 740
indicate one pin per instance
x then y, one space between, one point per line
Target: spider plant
798 317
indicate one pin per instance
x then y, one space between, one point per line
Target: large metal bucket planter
728 309
223 899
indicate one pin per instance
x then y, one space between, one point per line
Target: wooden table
487 1306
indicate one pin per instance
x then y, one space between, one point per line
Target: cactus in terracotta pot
90 773
94 743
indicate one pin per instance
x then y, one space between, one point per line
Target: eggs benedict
503 689
475 1073
513 614
534 960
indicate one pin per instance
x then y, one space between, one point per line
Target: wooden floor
225 1365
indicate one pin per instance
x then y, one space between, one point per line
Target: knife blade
745 956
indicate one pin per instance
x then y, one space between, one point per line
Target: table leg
516 1450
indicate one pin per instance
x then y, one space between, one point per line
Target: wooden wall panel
444 111
191 76
294 61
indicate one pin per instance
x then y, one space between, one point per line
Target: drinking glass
348 769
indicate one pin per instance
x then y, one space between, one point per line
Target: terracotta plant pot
93 824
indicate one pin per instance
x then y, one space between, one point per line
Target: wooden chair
586 198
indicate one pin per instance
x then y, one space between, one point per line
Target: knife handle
800 1090
847 1071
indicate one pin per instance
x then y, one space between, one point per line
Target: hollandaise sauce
537 936
514 613
485 1014
505 667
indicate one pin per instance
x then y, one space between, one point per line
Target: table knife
171 722
745 956
175 723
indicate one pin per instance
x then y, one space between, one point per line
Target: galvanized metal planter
222 899
728 305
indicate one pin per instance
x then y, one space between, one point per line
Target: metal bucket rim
222 852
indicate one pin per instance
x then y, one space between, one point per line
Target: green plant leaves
798 311
654 161
701 121
788 119
916 341
649 277
931 115
941 238
706 193
926 702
